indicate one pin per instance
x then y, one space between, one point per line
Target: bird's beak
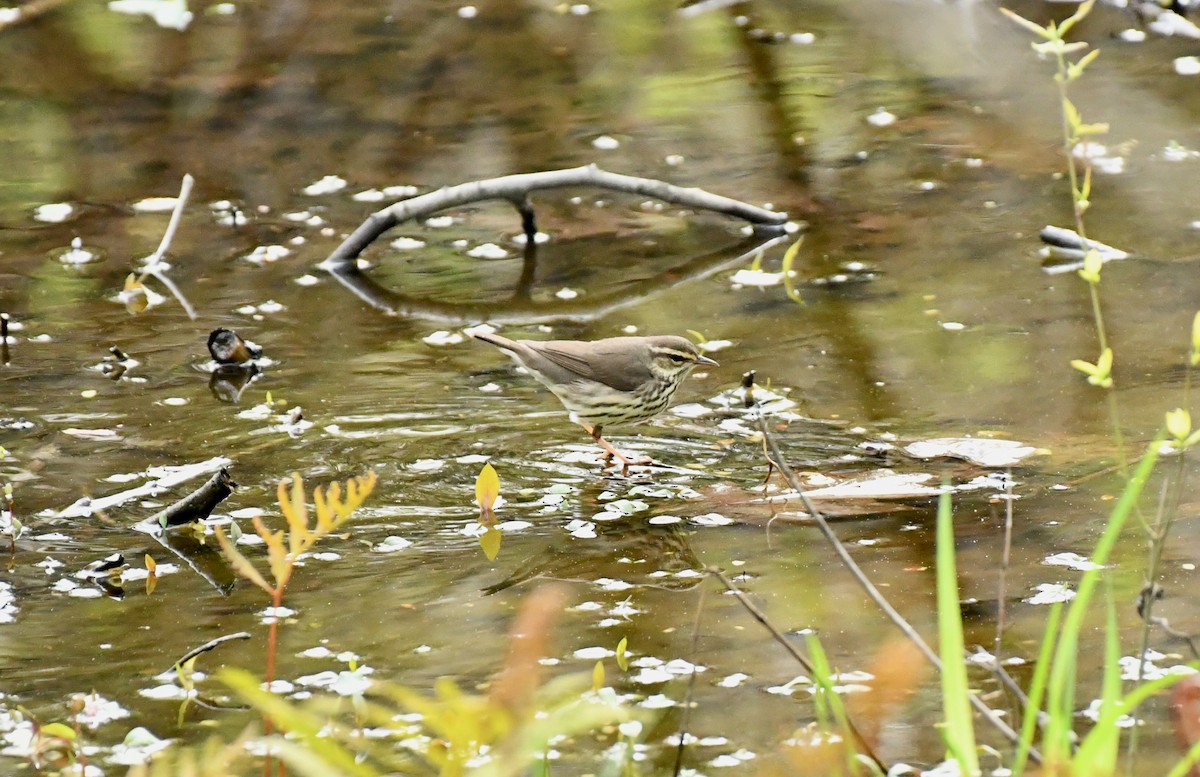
706 361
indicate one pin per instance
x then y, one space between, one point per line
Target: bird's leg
610 452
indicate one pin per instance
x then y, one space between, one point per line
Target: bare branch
516 190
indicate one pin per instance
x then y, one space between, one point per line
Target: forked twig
154 261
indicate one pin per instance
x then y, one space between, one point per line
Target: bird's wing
614 368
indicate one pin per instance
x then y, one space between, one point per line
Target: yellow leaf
150 563
487 487
59 730
623 654
490 542
239 562
598 676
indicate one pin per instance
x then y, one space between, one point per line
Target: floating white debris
538 238
407 243
175 401
884 484
674 160
327 185
138 747
580 529
579 9
1170 23
53 212
711 519
267 254
490 388
802 38
733 681
487 251
565 293
468 12
610 584
651 676
1174 152
77 254
759 278
270 306
93 434
399 192
155 205
439 222
606 143
1187 66
98 710
369 195
709 346
224 9
442 337
881 118
1072 561
427 465
307 280
664 520
1049 593
978 450
168 14
593 653
953 326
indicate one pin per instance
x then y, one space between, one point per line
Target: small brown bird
610 381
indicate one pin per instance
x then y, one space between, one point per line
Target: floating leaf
622 654
598 677
151 565
487 488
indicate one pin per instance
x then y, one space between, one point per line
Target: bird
610 381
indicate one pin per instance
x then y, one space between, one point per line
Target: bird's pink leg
610 451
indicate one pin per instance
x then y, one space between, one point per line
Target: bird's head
672 358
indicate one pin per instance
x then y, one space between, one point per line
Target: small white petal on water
487 251
758 278
565 293
606 143
307 280
468 12
53 212
1049 593
439 222
1187 66
442 337
155 205
327 185
407 243
881 118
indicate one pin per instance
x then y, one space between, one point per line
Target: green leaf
1042 32
1083 10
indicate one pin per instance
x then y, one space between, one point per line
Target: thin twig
776 458
860 742
691 686
154 261
207 646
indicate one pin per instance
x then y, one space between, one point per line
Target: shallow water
941 209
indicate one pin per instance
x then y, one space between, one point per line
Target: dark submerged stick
775 458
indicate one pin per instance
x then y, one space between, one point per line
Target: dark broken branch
197 505
516 189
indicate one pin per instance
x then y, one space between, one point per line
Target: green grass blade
959 730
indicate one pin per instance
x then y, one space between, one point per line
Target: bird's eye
677 357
